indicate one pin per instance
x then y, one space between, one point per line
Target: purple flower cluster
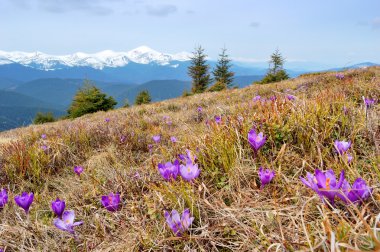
179 224
326 185
24 200
368 102
65 220
169 170
188 171
339 76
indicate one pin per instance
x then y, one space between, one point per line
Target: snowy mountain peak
99 60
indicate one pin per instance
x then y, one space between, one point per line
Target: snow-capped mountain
100 60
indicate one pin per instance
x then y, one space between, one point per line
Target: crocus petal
77 223
321 178
60 224
68 217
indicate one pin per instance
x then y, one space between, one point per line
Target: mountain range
32 82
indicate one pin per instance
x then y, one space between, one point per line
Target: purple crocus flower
342 146
107 120
328 186
169 170
111 201
58 207
256 140
156 138
256 98
24 201
44 147
291 97
78 169
199 109
189 171
266 176
3 198
173 139
355 194
339 76
43 136
179 224
218 119
369 102
67 222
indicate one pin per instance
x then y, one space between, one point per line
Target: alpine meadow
264 135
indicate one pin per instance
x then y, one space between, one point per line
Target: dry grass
231 212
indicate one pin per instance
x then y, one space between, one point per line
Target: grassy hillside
231 211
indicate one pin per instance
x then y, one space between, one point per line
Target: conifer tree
223 76
89 99
276 62
143 98
199 71
276 71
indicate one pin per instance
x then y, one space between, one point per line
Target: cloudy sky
326 31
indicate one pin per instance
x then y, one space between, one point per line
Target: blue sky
335 32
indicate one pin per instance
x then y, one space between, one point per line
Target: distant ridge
100 60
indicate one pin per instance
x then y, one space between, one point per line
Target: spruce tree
90 99
143 98
276 71
199 71
223 76
276 62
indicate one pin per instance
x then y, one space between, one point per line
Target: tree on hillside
223 76
143 98
276 70
199 71
90 99
44 118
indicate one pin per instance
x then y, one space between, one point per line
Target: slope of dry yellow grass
231 212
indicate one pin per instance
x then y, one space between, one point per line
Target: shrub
44 118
